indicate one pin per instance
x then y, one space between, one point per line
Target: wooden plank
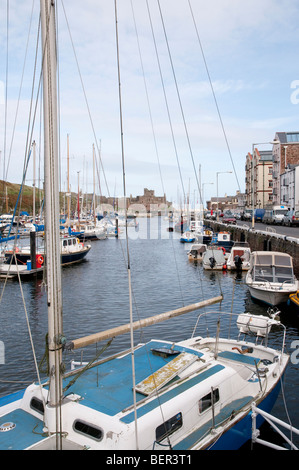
166 373
101 336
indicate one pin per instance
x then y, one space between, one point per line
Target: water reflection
95 298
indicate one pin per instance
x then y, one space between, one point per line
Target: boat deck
108 387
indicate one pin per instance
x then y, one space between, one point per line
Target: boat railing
274 422
225 324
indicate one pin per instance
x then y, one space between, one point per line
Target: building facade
285 152
233 203
289 181
258 178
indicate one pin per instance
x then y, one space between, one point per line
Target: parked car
259 215
291 218
247 214
229 218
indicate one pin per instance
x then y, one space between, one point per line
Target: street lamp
218 173
202 194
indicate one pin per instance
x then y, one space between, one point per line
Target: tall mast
52 208
68 182
94 184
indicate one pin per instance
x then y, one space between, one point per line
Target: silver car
291 218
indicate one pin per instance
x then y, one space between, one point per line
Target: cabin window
64 242
37 405
169 427
88 430
206 402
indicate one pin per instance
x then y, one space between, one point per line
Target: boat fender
224 267
40 260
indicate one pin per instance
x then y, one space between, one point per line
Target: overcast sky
170 120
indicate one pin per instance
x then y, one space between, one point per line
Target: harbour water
96 298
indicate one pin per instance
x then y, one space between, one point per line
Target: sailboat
163 395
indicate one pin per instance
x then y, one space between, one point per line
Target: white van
275 215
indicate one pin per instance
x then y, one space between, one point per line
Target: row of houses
271 176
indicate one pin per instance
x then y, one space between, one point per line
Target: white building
289 187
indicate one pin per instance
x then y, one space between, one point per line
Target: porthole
88 430
37 405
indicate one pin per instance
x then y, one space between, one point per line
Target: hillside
7 204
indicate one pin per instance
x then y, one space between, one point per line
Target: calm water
95 298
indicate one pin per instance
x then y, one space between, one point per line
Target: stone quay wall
261 240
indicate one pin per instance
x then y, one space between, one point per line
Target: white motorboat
239 257
214 259
270 277
197 251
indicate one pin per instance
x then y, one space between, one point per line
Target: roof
287 137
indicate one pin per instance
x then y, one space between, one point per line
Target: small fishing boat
223 240
72 250
197 251
89 231
239 257
188 237
270 277
214 259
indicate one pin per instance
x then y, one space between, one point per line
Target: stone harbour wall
261 241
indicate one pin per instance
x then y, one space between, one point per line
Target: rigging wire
214 94
126 222
85 96
19 96
6 94
165 98
180 101
147 97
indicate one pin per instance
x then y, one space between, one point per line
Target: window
292 137
88 430
169 427
206 402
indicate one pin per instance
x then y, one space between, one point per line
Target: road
281 229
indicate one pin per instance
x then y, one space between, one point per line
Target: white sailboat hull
100 415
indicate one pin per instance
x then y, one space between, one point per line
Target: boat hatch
164 352
166 373
5 427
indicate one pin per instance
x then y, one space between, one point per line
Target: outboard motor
238 262
212 262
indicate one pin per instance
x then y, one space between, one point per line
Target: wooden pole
120 330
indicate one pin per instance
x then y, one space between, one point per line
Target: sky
201 82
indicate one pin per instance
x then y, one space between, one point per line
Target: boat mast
52 209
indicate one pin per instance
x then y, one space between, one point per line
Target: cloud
249 48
